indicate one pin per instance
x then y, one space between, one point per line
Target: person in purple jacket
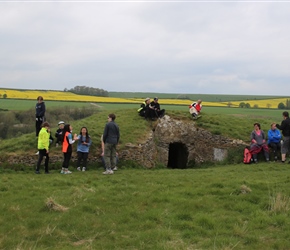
274 140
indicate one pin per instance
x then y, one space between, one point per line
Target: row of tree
3 96
281 105
84 90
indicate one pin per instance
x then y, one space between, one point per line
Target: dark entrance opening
178 155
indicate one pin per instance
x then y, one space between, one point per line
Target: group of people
259 143
151 110
66 139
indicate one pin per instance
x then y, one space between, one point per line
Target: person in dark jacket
39 114
143 110
155 110
285 128
111 138
58 133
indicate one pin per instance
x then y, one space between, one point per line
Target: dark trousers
38 123
66 159
42 153
276 146
82 156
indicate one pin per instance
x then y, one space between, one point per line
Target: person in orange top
67 142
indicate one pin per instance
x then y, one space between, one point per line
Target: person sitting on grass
258 143
155 110
195 109
143 110
274 140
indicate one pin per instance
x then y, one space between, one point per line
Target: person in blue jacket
274 140
84 143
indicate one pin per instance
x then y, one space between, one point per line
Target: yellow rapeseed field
68 96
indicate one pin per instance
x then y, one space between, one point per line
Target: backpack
247 156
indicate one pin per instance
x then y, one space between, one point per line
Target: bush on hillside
16 123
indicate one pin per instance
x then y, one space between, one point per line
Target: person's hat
61 122
147 99
155 98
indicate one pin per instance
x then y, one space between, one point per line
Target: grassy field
221 207
233 206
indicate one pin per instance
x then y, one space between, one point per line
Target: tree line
84 90
281 105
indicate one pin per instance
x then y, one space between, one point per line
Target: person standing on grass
103 153
111 138
58 133
67 142
43 147
285 127
84 143
274 138
39 114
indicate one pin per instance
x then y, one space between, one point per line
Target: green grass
148 209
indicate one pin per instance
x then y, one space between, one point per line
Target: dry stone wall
200 144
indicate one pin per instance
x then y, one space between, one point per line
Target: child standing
43 147
67 142
84 143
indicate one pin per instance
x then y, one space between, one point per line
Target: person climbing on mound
195 109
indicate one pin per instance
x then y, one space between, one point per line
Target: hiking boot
78 168
47 172
84 169
37 172
62 171
115 168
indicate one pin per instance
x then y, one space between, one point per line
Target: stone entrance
177 156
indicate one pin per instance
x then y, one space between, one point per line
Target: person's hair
273 123
258 124
65 129
87 134
39 98
112 116
285 114
45 124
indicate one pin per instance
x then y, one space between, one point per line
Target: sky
196 47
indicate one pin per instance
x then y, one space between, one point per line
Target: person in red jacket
195 109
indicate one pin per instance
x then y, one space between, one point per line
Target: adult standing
285 128
274 138
39 114
111 138
43 147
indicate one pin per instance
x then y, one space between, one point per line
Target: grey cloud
231 48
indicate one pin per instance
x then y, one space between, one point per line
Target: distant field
59 97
